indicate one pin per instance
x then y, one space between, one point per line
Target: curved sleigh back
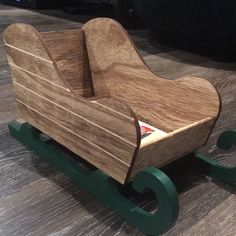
184 111
118 71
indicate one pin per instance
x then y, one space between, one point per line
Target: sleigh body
92 102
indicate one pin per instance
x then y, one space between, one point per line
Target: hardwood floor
37 200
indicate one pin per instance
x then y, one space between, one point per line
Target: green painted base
214 168
105 189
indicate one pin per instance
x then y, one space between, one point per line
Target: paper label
147 131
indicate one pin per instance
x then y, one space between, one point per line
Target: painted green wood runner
107 190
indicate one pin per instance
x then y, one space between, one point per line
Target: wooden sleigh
90 91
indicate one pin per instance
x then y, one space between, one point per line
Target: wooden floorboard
37 200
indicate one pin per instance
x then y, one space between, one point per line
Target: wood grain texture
173 146
69 51
224 212
24 38
118 71
99 157
37 200
183 108
119 148
104 114
34 65
38 86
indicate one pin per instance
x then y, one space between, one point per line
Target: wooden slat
35 65
108 141
106 135
49 204
26 38
185 109
115 121
114 105
182 108
69 51
89 152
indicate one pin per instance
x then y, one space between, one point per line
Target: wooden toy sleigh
90 91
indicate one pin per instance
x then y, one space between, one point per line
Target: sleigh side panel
175 145
105 134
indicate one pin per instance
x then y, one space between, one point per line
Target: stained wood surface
192 117
37 200
69 51
174 146
183 108
81 125
118 71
